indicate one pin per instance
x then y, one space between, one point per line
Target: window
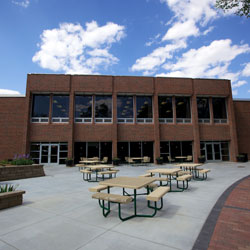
183 113
60 109
144 109
165 109
164 150
125 113
219 110
203 109
83 108
40 108
103 109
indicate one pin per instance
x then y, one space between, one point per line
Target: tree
241 6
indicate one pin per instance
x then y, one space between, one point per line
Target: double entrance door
49 154
213 151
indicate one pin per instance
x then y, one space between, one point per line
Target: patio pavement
59 213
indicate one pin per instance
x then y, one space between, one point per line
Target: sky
166 38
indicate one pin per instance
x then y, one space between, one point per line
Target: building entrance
49 154
213 152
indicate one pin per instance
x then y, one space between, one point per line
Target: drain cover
240 166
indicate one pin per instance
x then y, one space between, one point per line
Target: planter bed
11 199
16 172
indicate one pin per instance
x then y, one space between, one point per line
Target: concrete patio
59 213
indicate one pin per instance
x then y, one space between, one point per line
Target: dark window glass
203 107
60 106
165 107
148 150
79 151
122 150
182 107
187 148
144 107
40 107
164 150
135 149
103 106
83 106
125 107
219 108
175 148
106 150
93 149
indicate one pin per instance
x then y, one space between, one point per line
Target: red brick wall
22 132
242 115
11 126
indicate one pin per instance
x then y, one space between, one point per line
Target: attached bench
184 178
155 196
108 172
204 174
98 188
114 198
88 174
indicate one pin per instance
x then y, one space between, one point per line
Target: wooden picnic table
166 171
190 166
134 183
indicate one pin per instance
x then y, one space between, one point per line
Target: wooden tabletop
180 157
128 182
90 161
164 170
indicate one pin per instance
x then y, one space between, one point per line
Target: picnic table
190 166
89 169
134 183
166 171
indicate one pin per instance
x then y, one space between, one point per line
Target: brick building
117 116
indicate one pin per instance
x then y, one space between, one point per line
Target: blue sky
172 38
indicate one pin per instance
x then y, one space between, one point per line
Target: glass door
53 154
217 152
44 156
213 152
49 154
209 151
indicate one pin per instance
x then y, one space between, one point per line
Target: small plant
159 160
22 160
4 162
7 188
116 161
201 158
69 162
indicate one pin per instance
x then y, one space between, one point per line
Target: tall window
83 108
125 113
203 109
60 108
103 109
165 109
219 110
40 108
144 109
183 113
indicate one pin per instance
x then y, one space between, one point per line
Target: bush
159 160
22 160
7 188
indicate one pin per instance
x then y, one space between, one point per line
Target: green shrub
22 160
7 188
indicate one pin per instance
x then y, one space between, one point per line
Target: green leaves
7 188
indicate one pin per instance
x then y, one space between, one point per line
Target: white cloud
246 70
208 61
150 63
181 30
9 92
208 30
239 84
24 4
73 49
152 40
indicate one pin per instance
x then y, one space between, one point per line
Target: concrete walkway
58 213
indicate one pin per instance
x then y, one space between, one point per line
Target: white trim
204 120
103 120
125 120
39 119
166 120
144 120
60 119
183 120
83 120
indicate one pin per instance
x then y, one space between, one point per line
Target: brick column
233 146
71 122
156 127
114 117
196 130
174 110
